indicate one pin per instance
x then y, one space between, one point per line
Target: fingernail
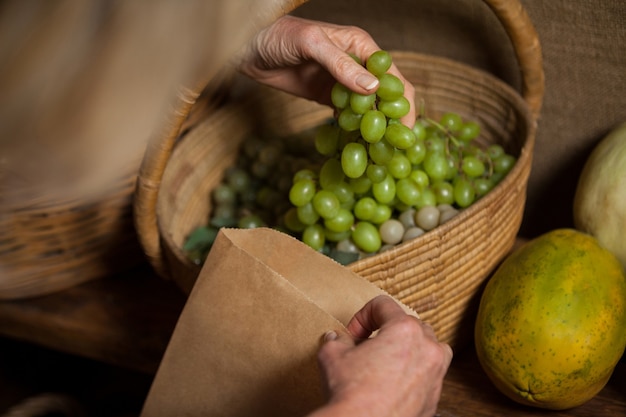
367 81
331 335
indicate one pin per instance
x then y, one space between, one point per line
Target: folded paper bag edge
311 260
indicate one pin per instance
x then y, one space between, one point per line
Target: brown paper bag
246 341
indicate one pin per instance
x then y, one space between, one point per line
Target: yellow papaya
551 324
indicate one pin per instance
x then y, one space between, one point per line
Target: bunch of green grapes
377 168
254 191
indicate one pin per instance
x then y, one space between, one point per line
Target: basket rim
511 14
523 160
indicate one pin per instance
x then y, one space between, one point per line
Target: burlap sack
246 342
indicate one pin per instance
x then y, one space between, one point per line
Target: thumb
335 344
350 73
341 337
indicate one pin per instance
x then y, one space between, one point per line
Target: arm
399 372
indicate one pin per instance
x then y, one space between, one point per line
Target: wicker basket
50 245
438 274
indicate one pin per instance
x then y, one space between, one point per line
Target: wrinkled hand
399 372
306 58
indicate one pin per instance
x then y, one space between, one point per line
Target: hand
306 58
398 372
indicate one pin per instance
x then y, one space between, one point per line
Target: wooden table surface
127 321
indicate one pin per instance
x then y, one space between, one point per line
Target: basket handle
525 40
512 16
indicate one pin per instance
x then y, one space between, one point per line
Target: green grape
435 144
400 136
408 191
433 131
337 236
360 103
427 198
391 231
416 152
340 96
307 214
347 246
419 131
427 217
381 152
238 179
444 192
407 217
376 173
292 222
327 139
250 221
399 166
385 191
270 154
436 165
226 212
326 204
224 194
395 109
390 87
305 173
503 164
218 220
472 166
495 151
366 237
420 177
464 193
331 173
360 185
251 147
342 222
302 192
468 131
451 121
314 236
482 186
354 160
373 126
365 208
378 63
382 213
349 120
471 149
453 166
343 191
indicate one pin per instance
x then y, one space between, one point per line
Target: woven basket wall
54 245
438 274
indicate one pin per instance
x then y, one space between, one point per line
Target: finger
373 316
449 354
335 343
357 78
340 337
346 70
